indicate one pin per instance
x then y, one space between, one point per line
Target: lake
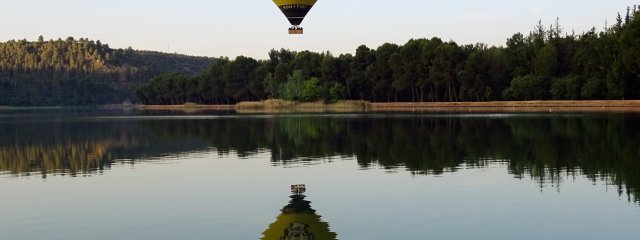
86 174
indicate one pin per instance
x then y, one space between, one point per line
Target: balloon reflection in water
298 221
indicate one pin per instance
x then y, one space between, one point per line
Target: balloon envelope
295 10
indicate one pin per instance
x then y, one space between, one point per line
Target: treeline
81 71
545 64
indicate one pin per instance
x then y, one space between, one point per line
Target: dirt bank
514 106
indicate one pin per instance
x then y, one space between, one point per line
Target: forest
81 71
547 63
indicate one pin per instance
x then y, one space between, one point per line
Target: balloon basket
296 31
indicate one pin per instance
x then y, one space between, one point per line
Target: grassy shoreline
185 107
276 105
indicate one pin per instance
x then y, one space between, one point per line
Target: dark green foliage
311 90
383 75
530 87
594 89
630 41
336 92
80 72
357 82
567 88
291 89
474 76
546 62
236 77
165 89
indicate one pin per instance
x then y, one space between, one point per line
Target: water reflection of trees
546 148
77 147
598 147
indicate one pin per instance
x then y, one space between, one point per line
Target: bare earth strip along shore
343 106
516 106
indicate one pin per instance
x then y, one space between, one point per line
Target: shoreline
182 107
30 108
277 105
346 106
505 106
515 106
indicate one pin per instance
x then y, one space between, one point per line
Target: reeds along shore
276 104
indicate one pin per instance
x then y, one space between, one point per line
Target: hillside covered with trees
81 71
547 63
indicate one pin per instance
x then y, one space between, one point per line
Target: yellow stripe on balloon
295 2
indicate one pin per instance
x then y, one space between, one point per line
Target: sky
252 27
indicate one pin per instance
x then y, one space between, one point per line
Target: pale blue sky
252 27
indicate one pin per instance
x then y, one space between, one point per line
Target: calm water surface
220 175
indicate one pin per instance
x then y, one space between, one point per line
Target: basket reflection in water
299 221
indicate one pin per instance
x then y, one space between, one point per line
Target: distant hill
81 71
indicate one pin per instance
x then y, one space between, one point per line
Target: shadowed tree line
548 63
80 72
600 147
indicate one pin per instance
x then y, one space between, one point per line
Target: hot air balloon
295 11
